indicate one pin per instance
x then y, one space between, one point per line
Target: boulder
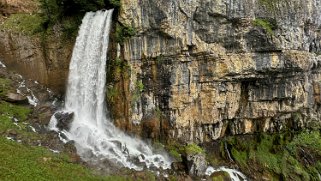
64 120
196 164
16 98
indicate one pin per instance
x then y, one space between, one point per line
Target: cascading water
90 129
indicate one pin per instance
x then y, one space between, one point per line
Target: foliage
139 86
69 13
136 94
115 3
112 92
123 33
265 24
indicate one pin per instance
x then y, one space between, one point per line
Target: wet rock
64 120
16 98
12 133
196 164
178 167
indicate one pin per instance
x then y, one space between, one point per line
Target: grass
12 110
4 86
23 23
22 162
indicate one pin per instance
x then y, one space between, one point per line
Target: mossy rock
193 149
220 176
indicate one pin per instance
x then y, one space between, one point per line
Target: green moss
265 24
22 162
240 156
175 154
192 149
23 23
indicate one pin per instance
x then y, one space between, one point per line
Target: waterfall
93 133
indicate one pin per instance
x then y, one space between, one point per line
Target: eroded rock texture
212 68
46 61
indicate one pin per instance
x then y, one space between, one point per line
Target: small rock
178 167
16 98
45 159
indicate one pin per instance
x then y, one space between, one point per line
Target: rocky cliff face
24 48
46 61
211 68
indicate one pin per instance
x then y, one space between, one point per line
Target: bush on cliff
70 12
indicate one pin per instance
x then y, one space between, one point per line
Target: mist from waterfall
91 130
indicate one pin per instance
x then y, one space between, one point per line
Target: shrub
123 33
57 11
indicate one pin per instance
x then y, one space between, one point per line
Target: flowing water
93 133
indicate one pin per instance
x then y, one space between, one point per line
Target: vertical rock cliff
27 49
203 69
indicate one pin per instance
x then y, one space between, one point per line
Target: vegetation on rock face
286 156
265 24
123 33
115 3
192 149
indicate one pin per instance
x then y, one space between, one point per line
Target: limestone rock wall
46 61
211 68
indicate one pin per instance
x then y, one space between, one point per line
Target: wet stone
64 120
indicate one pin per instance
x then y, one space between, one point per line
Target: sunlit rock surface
213 70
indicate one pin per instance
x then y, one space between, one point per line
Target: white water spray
91 130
